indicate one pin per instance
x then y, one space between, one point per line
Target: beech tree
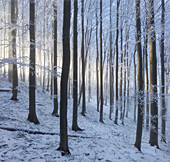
101 66
14 15
75 68
83 60
55 111
64 78
32 117
153 76
163 130
140 77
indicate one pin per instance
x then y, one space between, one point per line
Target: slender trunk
64 78
140 77
55 110
135 97
83 63
146 71
163 130
153 77
101 66
117 55
32 117
125 66
97 58
111 65
44 76
121 71
14 15
75 68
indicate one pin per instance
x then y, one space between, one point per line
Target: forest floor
98 142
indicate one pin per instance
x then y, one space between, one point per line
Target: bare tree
140 77
83 61
32 117
101 66
55 111
75 67
64 79
153 76
14 15
163 131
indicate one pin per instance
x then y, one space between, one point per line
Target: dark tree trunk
32 117
55 111
97 59
140 77
124 95
111 65
163 131
135 97
75 67
146 70
153 76
83 63
14 15
117 54
101 66
64 79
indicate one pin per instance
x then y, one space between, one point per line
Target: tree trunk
75 69
153 77
97 58
101 66
111 65
135 98
32 117
64 79
146 70
10 72
55 110
44 46
140 77
83 63
117 54
163 130
14 15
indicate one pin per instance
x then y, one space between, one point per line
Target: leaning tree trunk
153 76
64 79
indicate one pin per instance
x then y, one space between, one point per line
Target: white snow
106 142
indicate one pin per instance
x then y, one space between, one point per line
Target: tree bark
32 117
163 130
140 77
64 79
117 54
83 63
153 76
101 66
75 67
55 110
14 15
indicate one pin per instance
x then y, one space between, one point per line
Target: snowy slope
98 142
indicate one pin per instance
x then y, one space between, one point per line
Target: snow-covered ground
98 142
